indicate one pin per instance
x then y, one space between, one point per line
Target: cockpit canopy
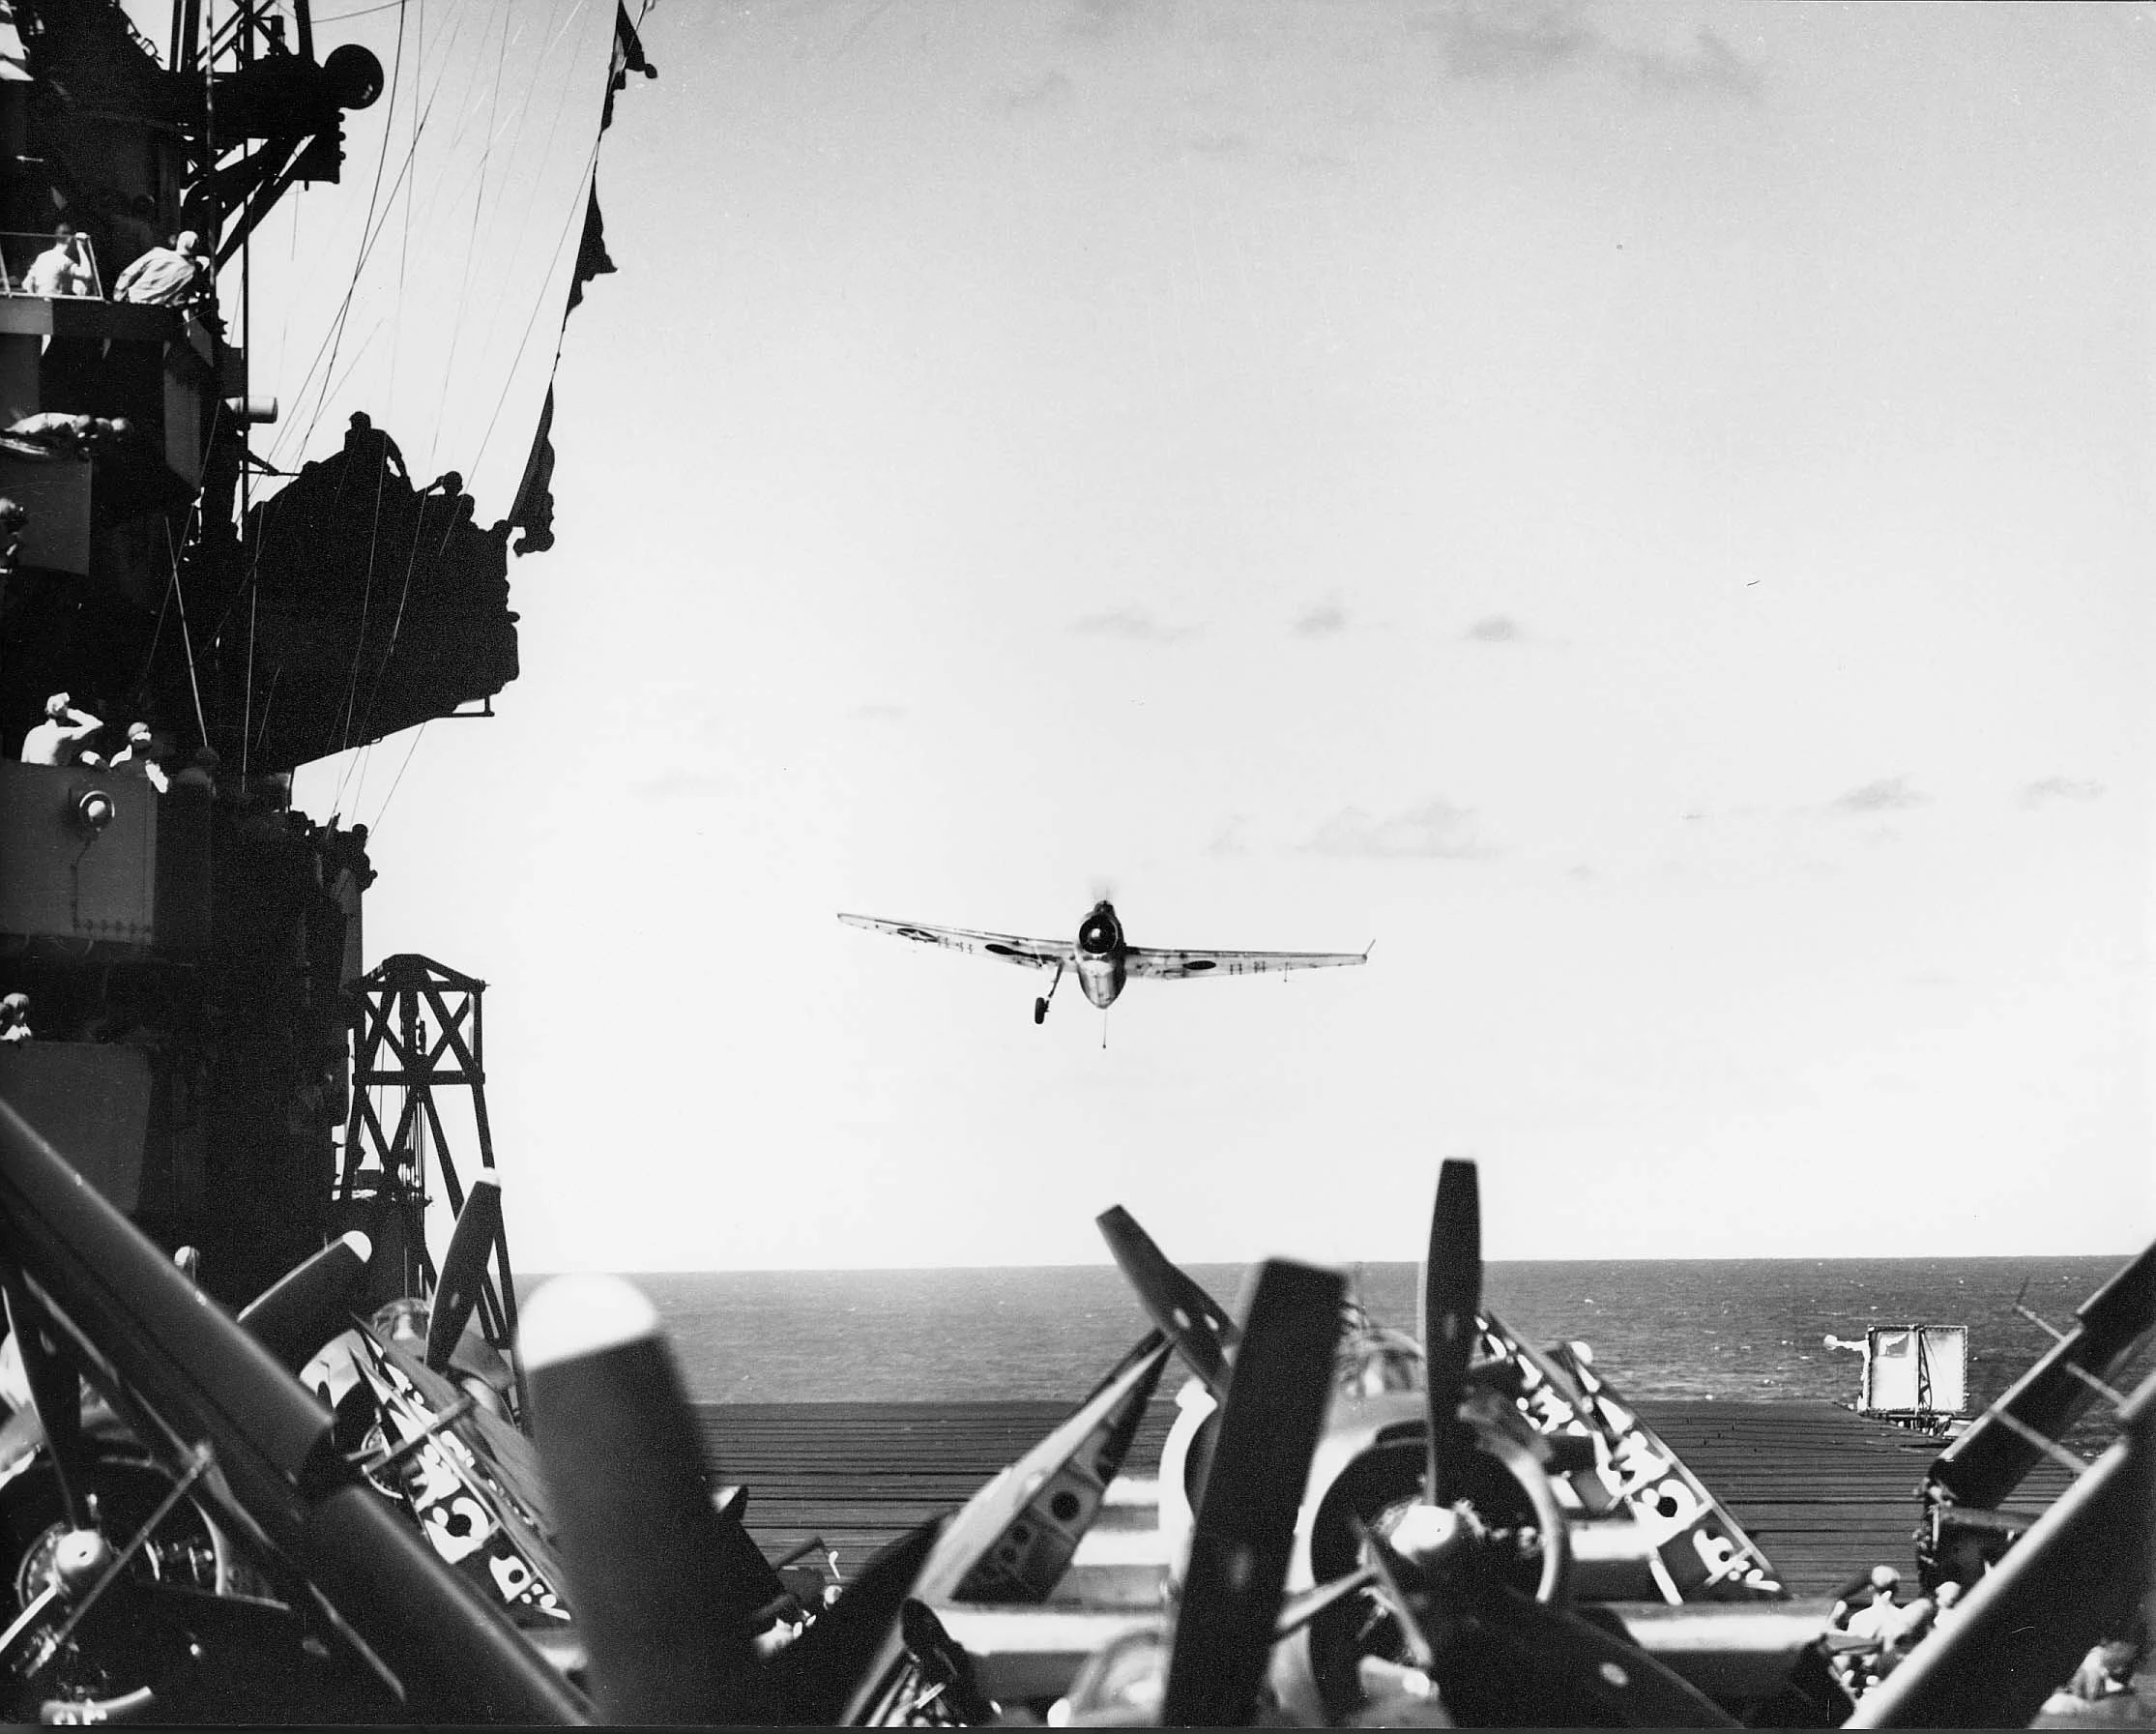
1373 1359
1100 933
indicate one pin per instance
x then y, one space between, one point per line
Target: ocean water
1729 1330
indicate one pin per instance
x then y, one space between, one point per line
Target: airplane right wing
1011 948
1163 965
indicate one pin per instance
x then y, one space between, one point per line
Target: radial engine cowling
1100 933
1368 1471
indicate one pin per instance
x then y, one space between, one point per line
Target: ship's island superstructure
188 944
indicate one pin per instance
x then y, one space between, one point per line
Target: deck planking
1826 1492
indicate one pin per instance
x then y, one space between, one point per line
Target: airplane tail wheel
1041 1010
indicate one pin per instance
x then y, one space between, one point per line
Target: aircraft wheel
1041 1010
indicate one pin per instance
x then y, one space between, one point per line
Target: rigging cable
381 161
403 262
359 644
561 107
417 738
246 450
404 237
587 185
361 12
516 131
176 591
150 656
366 598
575 210
471 240
201 722
554 127
368 241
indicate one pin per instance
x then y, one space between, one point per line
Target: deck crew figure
58 739
60 271
165 275
143 750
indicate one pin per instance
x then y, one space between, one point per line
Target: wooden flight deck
1824 1491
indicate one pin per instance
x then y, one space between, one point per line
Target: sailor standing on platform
56 741
60 271
165 275
143 750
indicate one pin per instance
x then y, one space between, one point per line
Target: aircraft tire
1041 1010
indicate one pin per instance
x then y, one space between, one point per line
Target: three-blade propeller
1499 1655
1496 1654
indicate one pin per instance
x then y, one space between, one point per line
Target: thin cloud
1229 840
1517 44
1437 829
1495 628
1889 794
1103 17
2047 789
876 712
1322 621
1707 64
1132 624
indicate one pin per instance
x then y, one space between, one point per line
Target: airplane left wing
1011 948
1174 966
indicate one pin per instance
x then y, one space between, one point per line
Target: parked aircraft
1104 960
1359 1552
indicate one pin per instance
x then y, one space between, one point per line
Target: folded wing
1171 966
1011 948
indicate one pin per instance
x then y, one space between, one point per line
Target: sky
1643 512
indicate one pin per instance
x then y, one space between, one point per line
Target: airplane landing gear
1040 1005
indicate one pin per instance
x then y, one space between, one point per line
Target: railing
73 275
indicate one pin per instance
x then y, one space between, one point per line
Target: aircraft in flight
1103 959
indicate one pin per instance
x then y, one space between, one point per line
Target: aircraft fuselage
1099 964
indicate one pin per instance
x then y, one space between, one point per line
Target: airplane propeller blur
1101 956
